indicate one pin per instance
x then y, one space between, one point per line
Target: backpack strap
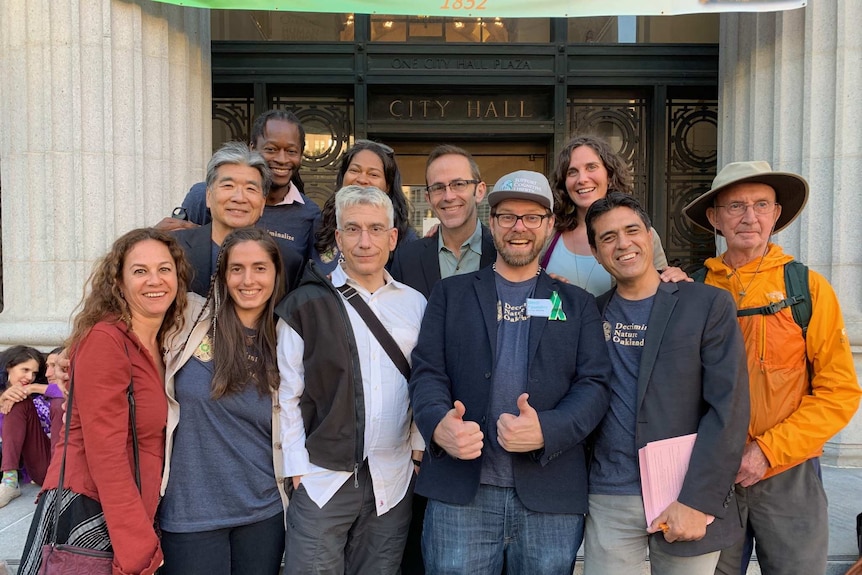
798 295
796 283
699 275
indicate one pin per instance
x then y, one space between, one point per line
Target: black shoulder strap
796 283
373 322
798 297
699 275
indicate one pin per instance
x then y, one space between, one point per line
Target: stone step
843 488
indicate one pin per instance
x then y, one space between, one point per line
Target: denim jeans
472 539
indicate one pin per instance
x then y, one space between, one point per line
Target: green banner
501 8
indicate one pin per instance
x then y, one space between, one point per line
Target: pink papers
663 465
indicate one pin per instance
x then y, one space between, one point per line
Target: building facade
110 109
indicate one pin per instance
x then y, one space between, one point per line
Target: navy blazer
417 264
569 374
693 378
197 245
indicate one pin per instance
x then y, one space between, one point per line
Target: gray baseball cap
522 185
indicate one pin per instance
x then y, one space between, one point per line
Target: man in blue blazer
238 182
679 368
510 376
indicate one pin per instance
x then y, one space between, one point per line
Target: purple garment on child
43 410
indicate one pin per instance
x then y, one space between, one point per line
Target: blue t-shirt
295 223
615 468
510 374
221 465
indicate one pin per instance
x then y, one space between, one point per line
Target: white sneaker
8 493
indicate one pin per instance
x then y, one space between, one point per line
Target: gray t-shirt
221 465
510 374
615 468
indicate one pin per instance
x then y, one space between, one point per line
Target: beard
518 259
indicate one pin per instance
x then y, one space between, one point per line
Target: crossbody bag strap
130 393
60 489
387 342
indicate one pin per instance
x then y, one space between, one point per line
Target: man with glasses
346 427
803 385
462 244
510 376
288 214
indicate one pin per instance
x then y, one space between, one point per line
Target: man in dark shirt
288 213
237 186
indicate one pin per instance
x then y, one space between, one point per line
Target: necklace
734 273
578 271
494 267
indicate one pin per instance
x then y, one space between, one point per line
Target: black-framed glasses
761 207
531 221
457 186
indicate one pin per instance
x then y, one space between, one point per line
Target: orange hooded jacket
791 419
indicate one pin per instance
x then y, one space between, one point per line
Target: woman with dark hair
587 167
222 510
366 163
24 437
135 299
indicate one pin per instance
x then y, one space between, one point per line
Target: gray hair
350 196
239 154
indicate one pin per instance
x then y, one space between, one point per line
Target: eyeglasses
457 186
531 221
761 207
354 232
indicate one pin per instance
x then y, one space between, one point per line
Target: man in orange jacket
803 388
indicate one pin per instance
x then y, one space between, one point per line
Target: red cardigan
100 460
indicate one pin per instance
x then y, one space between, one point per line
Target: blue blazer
568 371
693 378
417 263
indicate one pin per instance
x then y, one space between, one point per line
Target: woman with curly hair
222 387
587 167
366 163
136 299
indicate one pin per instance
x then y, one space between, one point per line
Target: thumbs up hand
521 433
461 439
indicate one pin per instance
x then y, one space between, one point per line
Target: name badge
539 307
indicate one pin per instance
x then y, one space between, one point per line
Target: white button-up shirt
390 433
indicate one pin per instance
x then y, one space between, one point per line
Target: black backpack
798 295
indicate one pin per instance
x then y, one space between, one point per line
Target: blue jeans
472 539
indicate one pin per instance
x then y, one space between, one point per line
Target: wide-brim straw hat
791 192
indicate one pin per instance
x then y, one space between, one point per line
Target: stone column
104 125
790 85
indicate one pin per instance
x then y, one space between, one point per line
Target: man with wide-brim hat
803 387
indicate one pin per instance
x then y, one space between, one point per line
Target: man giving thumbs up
510 375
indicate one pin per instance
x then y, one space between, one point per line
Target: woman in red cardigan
136 298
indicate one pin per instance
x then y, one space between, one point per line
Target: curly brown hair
619 178
102 298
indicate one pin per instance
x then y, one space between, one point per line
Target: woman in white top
586 169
